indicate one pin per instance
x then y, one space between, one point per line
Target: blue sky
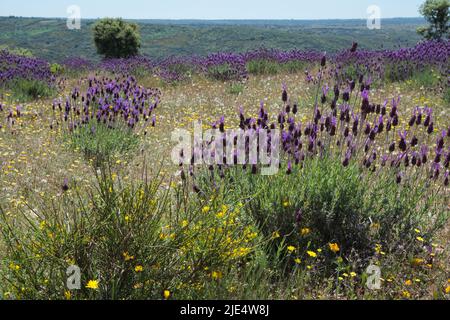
212 9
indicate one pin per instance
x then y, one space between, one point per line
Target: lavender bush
356 175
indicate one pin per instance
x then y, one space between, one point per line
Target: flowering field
93 205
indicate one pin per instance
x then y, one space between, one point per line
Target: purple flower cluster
352 128
78 64
395 64
283 56
377 65
176 69
224 66
113 102
20 67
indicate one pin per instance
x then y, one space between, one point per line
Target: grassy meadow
105 196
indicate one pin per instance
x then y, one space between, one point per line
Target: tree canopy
115 38
436 12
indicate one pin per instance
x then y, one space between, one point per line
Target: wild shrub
99 142
223 72
263 67
27 90
130 240
427 78
324 203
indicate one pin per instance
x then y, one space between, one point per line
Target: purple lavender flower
65 185
402 144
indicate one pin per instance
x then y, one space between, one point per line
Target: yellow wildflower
312 254
216 275
13 266
42 225
276 235
166 294
408 283
138 269
291 249
417 262
447 290
334 247
67 295
127 256
305 231
375 226
92 284
406 294
206 209
298 261
379 249
420 239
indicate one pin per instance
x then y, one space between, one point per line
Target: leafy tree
436 12
115 38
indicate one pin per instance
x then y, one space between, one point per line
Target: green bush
271 67
56 69
115 38
99 142
325 203
135 240
221 72
109 236
263 67
293 66
427 78
25 90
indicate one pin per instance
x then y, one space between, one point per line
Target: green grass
29 90
236 88
98 142
427 78
270 67
263 67
447 96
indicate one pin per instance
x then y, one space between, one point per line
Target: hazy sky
212 9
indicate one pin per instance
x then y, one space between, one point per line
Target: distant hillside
50 39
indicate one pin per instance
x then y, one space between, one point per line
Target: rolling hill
49 38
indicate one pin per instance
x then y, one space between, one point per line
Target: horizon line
213 19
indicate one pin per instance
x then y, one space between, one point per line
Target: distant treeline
50 39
